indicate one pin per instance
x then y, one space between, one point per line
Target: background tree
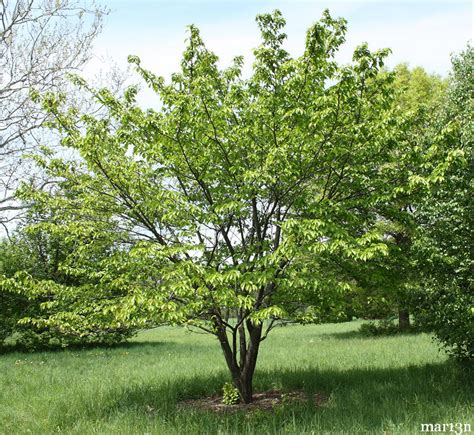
419 95
33 252
445 218
234 198
40 42
393 285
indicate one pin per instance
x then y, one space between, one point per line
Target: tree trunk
403 319
248 369
244 385
242 374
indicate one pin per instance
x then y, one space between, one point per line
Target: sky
422 33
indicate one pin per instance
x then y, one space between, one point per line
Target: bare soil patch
265 401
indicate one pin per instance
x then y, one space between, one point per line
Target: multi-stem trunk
242 371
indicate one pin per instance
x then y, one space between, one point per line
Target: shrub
38 256
388 326
449 313
230 394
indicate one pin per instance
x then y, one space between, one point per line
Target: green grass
390 384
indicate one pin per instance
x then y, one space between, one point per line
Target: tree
418 91
231 199
40 42
397 279
419 95
445 219
36 252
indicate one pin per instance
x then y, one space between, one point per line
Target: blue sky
422 33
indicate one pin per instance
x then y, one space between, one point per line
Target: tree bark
403 319
248 369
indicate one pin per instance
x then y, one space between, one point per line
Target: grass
375 385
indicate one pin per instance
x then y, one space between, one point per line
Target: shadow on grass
343 335
141 344
364 398
349 335
125 345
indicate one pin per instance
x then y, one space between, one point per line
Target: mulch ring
261 401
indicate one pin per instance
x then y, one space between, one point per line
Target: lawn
374 385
